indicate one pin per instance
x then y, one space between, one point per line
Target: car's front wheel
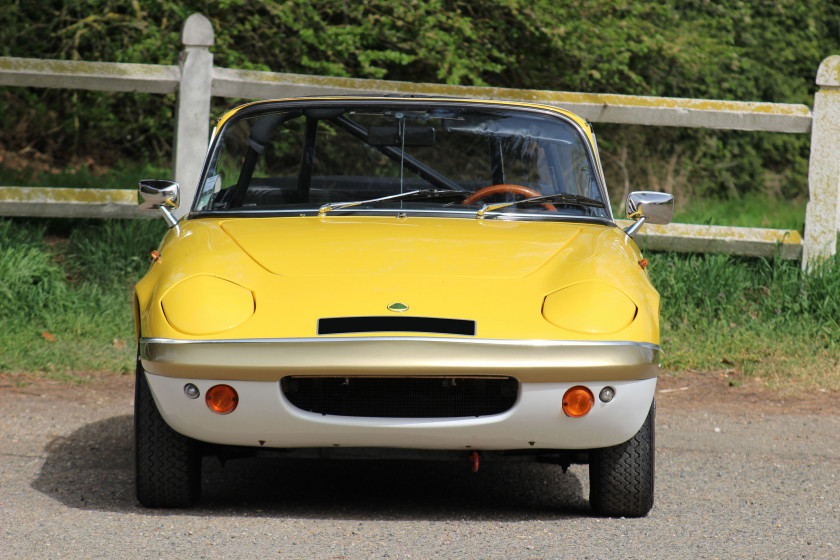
167 464
621 477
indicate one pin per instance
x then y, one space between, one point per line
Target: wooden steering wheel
505 188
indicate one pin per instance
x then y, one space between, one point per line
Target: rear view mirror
648 207
160 194
155 193
418 136
656 207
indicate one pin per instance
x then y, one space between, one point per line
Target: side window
226 165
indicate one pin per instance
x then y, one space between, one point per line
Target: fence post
192 117
822 216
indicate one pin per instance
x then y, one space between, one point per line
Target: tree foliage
758 50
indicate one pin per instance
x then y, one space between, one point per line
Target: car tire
167 464
621 478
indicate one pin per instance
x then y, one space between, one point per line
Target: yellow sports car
364 277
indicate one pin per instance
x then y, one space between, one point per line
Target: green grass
752 210
750 317
65 293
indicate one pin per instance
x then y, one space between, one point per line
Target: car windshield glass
354 157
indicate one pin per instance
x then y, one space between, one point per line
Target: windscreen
442 158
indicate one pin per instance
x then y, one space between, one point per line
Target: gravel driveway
740 479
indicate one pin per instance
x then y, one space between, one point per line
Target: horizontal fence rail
57 202
692 238
250 84
595 107
100 76
195 79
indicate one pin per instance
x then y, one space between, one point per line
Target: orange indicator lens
578 401
222 399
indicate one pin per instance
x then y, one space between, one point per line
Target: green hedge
766 50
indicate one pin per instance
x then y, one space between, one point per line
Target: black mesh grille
404 397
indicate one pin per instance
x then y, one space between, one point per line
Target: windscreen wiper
419 193
560 198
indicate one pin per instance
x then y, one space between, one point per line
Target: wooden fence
195 79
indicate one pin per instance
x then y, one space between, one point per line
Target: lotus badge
398 307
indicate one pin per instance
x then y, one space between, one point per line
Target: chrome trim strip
496 341
397 212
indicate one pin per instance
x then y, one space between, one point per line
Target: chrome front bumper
530 361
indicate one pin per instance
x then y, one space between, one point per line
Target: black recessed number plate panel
343 325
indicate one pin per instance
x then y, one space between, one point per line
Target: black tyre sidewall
622 477
167 464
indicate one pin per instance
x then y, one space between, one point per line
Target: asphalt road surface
750 476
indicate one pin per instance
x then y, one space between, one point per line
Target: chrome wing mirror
648 207
160 194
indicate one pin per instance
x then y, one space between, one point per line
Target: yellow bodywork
274 277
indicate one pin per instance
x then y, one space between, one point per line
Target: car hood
277 278
406 247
